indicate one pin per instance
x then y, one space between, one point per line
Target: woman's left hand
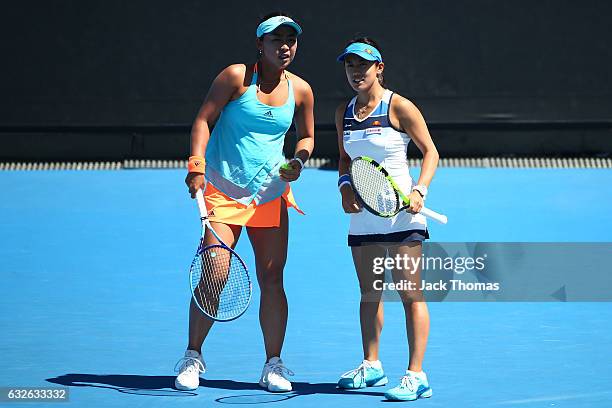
291 171
416 202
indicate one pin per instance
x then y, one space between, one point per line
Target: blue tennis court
95 291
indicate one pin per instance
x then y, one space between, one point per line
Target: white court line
554 398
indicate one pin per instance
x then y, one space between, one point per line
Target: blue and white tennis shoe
412 386
368 374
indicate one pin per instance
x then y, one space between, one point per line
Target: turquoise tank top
245 149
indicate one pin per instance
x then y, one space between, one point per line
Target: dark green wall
136 63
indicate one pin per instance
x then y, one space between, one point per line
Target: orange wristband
196 164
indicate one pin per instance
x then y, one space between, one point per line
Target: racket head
220 283
373 188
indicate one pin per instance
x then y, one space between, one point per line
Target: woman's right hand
195 182
349 201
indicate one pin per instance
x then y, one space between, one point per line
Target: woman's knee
271 274
370 293
410 298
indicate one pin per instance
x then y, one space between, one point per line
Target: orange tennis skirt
222 208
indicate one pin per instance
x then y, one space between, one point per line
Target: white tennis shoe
274 376
188 377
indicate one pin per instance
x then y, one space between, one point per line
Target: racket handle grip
441 218
201 204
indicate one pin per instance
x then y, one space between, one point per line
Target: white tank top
375 137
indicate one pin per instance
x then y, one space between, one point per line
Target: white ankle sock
419 374
375 364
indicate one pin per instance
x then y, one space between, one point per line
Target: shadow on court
163 386
299 388
156 386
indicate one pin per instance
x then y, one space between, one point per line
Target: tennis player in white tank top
374 136
380 124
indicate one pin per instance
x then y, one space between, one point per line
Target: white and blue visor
273 23
363 50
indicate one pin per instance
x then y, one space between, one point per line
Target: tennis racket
220 282
379 193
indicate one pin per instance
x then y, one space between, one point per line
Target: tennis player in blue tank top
251 107
380 124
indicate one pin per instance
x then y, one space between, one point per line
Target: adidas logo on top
268 114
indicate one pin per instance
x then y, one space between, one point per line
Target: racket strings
373 187
220 283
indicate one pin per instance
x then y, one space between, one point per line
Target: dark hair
370 41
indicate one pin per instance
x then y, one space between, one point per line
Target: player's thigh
227 232
408 268
369 265
270 245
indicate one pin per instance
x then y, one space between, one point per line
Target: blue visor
365 51
273 23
